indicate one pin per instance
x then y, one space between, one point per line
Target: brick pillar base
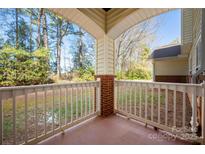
107 94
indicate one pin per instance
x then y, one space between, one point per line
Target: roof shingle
171 51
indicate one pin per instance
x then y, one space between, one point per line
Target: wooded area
38 47
132 51
68 51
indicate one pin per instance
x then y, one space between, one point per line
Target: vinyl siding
105 56
186 26
171 67
196 30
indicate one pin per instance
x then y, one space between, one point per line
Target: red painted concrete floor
111 130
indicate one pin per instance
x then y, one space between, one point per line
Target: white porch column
105 71
105 56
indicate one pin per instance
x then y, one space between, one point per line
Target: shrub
137 73
84 74
19 67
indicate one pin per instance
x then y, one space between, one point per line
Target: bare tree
129 43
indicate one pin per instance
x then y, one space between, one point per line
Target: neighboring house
183 63
196 52
169 65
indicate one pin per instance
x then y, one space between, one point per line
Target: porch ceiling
113 22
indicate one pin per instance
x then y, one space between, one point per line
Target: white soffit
134 18
76 16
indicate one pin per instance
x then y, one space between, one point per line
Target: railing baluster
146 101
36 115
53 101
130 89
140 106
174 116
45 119
1 120
76 103
60 107
93 99
66 105
159 94
194 112
81 100
98 93
123 97
71 104
26 110
89 97
115 96
135 93
118 99
86 100
166 105
126 90
14 116
152 103
184 108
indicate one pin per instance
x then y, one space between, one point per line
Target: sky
169 29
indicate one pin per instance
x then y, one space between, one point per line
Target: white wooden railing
29 114
168 106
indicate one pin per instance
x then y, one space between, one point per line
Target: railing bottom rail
158 126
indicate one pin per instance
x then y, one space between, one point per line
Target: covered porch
58 108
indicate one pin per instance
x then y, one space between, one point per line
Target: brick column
107 94
105 71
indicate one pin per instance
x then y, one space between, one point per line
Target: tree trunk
39 28
31 30
17 29
59 42
81 53
45 29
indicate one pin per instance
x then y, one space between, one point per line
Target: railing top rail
161 83
48 85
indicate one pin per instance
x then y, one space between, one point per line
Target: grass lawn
79 108
132 95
